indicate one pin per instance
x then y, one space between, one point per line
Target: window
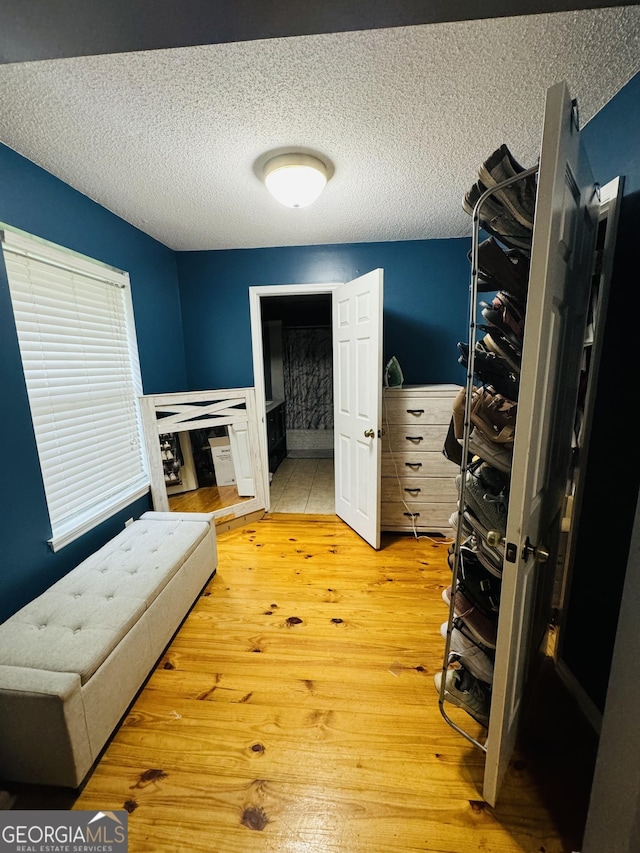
75 327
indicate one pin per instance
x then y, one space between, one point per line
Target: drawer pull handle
415 411
413 464
411 514
414 437
413 491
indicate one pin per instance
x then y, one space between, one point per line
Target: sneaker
520 197
465 691
481 587
467 530
486 555
472 655
497 220
481 533
490 508
491 562
483 628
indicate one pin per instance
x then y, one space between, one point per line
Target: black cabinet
276 436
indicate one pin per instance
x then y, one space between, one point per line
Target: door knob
494 538
369 433
540 553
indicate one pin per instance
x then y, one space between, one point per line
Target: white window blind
74 319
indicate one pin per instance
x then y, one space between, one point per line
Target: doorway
293 364
356 323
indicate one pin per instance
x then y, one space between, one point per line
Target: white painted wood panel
357 356
561 266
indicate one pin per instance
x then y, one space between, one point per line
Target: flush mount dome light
295 180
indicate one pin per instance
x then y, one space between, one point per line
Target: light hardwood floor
205 499
295 711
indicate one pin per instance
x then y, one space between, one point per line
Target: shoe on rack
465 691
467 529
488 506
495 453
494 416
518 198
483 628
490 478
504 270
491 369
451 555
498 456
487 555
472 655
481 533
481 587
497 220
507 315
470 542
491 413
499 344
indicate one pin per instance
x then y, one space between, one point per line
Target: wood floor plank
295 711
341 618
315 687
190 722
205 499
260 814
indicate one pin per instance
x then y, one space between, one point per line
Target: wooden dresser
418 481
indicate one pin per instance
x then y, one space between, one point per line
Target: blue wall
426 284
612 138
35 201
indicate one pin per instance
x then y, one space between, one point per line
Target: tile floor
303 485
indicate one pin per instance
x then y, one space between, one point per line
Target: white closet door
561 266
242 461
357 388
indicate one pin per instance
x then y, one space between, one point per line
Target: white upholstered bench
73 659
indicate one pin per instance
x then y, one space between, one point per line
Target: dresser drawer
426 516
429 463
417 409
419 489
414 437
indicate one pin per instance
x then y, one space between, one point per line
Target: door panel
343 467
242 462
357 346
561 260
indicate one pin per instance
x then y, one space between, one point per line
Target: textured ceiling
169 139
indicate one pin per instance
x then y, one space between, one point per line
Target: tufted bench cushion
72 660
77 622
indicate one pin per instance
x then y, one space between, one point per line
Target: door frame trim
256 294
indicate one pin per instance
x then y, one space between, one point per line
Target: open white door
561 267
242 461
357 390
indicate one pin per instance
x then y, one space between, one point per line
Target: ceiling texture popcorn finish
169 139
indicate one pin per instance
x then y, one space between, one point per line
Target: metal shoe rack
494 538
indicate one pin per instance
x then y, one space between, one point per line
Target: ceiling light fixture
295 180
